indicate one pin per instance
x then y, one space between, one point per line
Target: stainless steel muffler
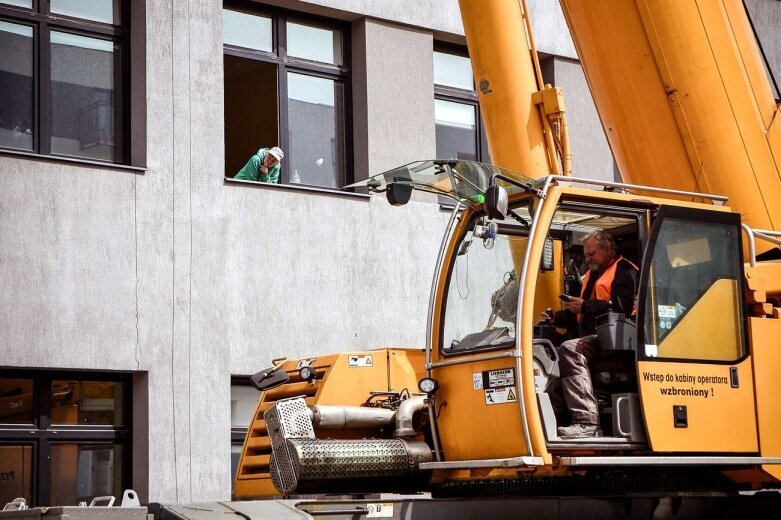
300 461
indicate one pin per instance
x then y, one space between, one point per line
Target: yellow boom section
684 99
519 135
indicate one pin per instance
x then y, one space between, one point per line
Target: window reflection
456 130
106 11
16 401
316 130
83 112
83 472
87 403
314 43
247 30
16 468
453 71
21 3
16 85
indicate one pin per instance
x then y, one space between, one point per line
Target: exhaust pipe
300 461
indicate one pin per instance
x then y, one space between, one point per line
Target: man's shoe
578 431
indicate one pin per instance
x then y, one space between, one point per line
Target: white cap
277 152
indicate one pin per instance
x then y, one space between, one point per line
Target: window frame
42 434
285 63
126 103
464 97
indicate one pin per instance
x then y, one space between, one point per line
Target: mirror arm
524 186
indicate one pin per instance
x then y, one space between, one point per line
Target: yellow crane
686 391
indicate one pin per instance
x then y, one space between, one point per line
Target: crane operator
608 284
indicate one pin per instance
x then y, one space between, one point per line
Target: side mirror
399 193
495 202
269 378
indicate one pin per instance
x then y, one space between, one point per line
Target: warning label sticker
499 378
383 510
501 395
477 380
360 361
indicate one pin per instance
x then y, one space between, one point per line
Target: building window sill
297 187
57 159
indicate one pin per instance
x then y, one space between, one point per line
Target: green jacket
251 170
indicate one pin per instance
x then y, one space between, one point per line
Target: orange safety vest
604 282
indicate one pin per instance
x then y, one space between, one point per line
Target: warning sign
360 361
383 510
501 395
499 378
477 381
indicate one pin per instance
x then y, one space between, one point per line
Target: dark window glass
316 130
16 470
251 119
81 472
456 130
84 121
16 85
16 401
694 273
105 11
87 402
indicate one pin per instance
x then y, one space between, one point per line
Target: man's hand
546 318
263 169
573 305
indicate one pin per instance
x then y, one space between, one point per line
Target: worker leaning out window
264 166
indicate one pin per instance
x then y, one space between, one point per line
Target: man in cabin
608 284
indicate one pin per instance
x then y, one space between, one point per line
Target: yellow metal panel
468 427
720 418
764 334
406 368
711 328
681 80
350 386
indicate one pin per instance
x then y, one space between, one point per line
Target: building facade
140 283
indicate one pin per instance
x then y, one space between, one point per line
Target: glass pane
453 71
316 127
456 131
244 399
16 401
106 11
235 456
85 115
21 3
82 472
16 84
247 30
482 295
694 276
314 43
87 402
16 472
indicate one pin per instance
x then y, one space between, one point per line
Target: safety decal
501 395
666 311
477 380
383 510
360 361
499 378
